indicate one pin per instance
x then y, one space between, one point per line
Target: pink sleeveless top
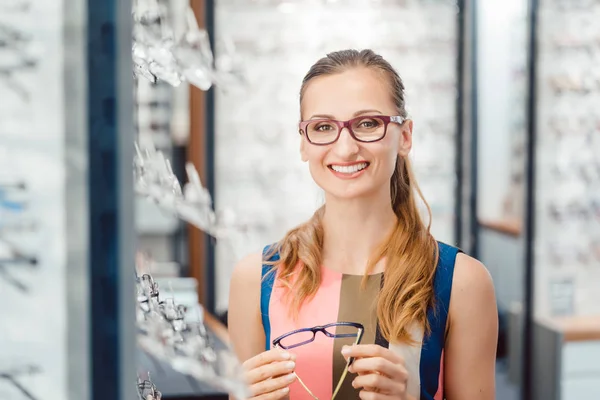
340 299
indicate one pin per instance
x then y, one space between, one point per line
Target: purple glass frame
348 125
323 329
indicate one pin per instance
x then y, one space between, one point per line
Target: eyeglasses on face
366 128
301 337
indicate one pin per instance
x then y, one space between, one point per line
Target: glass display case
567 168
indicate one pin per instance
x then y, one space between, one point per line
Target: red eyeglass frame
348 125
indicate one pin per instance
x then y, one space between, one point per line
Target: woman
427 311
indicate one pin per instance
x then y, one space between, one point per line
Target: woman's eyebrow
356 114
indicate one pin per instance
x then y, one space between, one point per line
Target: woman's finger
281 394
371 350
365 395
381 365
271 370
272 385
378 383
267 357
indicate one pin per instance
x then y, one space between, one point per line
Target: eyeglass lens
368 129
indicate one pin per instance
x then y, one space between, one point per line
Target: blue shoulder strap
433 344
266 288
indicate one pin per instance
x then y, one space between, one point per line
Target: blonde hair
410 250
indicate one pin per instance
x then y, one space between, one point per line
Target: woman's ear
405 138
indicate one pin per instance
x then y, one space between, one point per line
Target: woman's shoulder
247 270
250 269
472 287
464 269
470 273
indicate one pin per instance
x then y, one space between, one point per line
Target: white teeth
349 169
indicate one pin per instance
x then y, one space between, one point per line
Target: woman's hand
381 372
269 374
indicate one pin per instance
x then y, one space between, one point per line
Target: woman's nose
345 145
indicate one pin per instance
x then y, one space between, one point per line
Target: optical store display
161 53
256 59
14 384
34 168
15 49
147 390
167 332
568 152
154 179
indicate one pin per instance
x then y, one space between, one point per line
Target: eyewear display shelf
567 162
65 139
563 227
67 236
176 386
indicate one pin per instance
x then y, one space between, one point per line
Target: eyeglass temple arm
339 385
300 380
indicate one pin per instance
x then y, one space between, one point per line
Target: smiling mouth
349 169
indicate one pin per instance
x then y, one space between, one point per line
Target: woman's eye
324 128
368 123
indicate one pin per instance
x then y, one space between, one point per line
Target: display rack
34 245
170 54
168 332
66 201
567 165
562 174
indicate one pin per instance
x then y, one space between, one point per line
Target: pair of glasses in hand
301 337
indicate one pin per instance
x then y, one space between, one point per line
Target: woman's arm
244 320
470 350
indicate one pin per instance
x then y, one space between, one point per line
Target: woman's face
343 96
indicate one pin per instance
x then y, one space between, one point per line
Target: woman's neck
353 229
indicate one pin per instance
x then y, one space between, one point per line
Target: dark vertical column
460 128
466 162
470 143
530 179
110 156
474 155
210 164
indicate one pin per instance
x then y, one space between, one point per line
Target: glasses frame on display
17 42
12 376
323 329
16 257
386 119
154 178
158 54
165 333
15 223
147 390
